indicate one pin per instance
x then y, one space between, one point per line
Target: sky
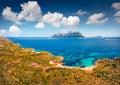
43 18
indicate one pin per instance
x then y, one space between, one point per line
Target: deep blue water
76 52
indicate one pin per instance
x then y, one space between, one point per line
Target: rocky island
69 34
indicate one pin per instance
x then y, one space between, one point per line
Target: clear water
76 52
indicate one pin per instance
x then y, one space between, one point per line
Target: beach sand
90 68
57 64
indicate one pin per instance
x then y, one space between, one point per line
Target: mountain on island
69 34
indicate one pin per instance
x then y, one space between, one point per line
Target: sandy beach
57 64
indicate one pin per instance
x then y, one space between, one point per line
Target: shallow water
76 52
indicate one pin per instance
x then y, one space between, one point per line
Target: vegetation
108 70
21 66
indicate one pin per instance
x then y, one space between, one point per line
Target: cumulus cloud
117 20
116 5
71 21
14 30
117 14
96 19
53 18
80 12
3 32
9 15
57 19
40 25
31 11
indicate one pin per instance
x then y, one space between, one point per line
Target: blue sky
43 18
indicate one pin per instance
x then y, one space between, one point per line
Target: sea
82 52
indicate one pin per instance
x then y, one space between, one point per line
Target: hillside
68 35
22 66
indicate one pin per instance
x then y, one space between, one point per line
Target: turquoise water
88 61
76 52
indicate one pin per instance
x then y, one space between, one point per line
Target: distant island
69 34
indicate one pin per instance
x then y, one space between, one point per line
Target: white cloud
40 25
71 21
14 30
116 5
117 20
53 18
3 32
31 11
9 15
117 13
96 19
80 12
57 19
